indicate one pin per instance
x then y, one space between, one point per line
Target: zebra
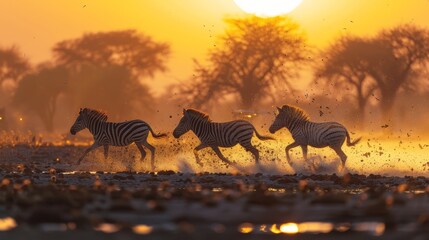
304 132
114 133
215 135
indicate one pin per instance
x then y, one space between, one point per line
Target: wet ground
43 194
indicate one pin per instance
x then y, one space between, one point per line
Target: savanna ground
382 194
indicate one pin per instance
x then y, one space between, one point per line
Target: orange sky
189 26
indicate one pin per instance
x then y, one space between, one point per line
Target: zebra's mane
295 112
198 114
96 114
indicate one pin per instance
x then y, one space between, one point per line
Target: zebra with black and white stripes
114 133
215 135
304 132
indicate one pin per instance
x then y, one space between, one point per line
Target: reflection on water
315 227
274 229
245 228
375 228
107 228
142 229
7 224
289 228
372 228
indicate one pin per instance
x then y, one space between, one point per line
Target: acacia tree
254 55
385 63
342 67
12 64
111 64
130 49
38 93
12 67
405 52
110 88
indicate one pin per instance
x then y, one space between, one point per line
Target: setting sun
268 8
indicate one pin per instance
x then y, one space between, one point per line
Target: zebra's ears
184 111
279 109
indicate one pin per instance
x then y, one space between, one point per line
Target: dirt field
43 194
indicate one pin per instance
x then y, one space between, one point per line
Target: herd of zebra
214 134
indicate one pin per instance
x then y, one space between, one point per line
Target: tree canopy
128 48
255 55
38 93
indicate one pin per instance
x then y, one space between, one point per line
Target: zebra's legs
152 151
305 154
106 151
196 149
94 146
249 147
341 154
220 155
142 151
289 147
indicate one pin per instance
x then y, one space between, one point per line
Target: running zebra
115 134
215 135
305 132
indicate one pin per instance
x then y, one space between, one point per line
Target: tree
12 64
111 88
255 55
106 69
12 67
405 53
385 63
342 67
38 92
128 48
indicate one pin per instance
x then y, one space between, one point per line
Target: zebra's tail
161 135
349 143
261 136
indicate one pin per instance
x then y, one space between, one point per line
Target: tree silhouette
128 48
12 64
404 52
110 88
342 67
106 69
385 63
255 55
38 93
12 67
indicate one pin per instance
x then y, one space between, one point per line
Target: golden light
1 118
20 119
245 228
7 223
107 228
274 229
315 227
267 8
289 228
142 229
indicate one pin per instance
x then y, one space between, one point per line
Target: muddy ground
43 194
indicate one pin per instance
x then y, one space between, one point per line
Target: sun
267 8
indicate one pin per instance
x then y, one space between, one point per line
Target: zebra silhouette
215 135
305 132
114 134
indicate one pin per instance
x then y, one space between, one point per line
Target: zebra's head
286 116
85 118
79 123
279 122
184 125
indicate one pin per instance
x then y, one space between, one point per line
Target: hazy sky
189 26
